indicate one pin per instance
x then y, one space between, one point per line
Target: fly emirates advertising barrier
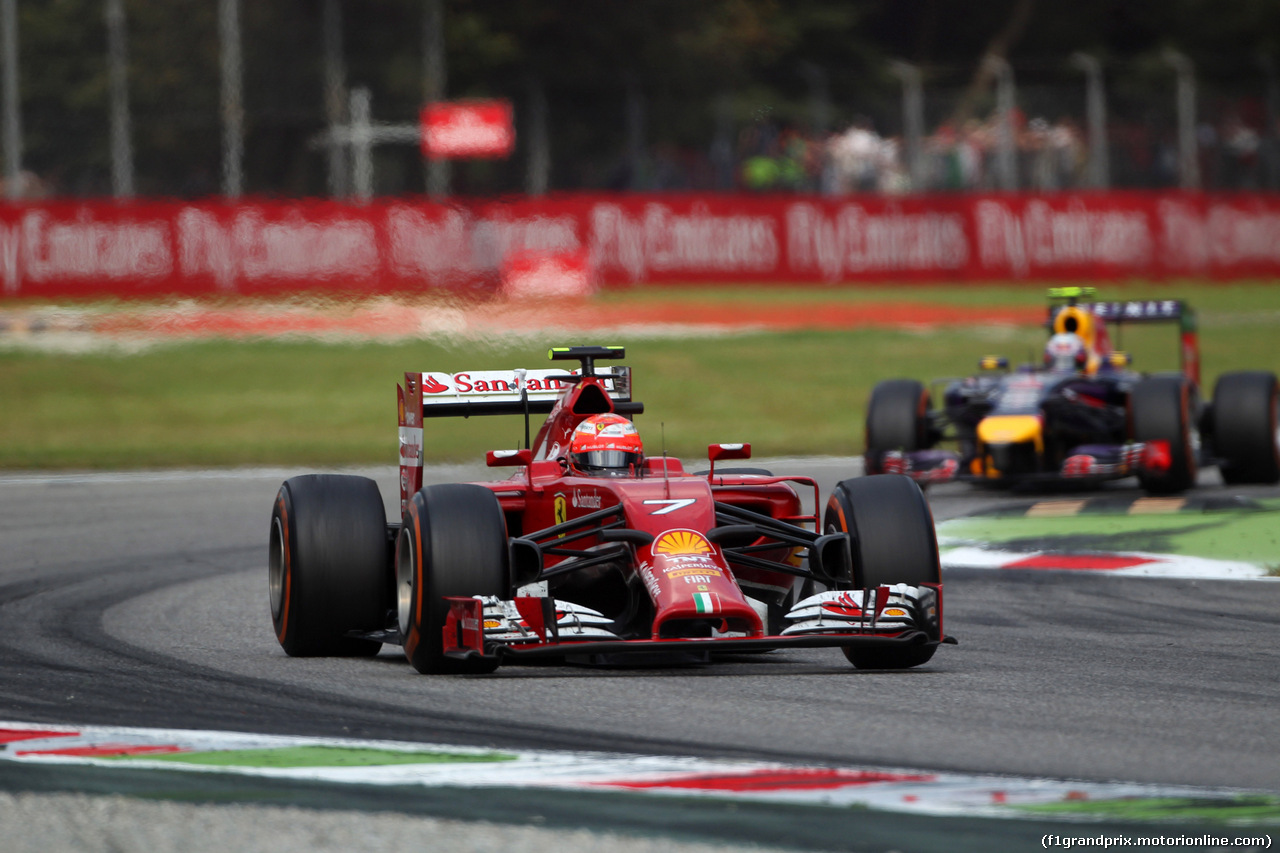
159 248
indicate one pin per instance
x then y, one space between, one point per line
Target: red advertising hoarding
150 248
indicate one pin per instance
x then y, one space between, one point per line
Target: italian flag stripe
704 602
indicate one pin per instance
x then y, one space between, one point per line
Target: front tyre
1161 408
894 541
453 543
897 420
1246 427
328 565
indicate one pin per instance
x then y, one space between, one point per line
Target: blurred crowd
1049 155
1234 153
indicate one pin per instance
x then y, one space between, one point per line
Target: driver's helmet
1066 351
606 446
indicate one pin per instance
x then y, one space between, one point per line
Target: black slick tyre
453 543
1161 408
329 565
897 419
894 541
1246 435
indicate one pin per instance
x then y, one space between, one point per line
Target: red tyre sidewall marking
288 567
832 503
921 408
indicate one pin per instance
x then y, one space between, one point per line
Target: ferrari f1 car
1083 414
592 552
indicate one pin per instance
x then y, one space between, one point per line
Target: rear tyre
1246 427
894 541
453 543
1162 408
328 565
897 419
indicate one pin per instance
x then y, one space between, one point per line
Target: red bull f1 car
591 551
1082 415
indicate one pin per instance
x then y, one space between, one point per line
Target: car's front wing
530 628
1085 462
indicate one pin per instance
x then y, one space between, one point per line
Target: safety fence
145 249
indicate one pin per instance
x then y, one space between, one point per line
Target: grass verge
306 402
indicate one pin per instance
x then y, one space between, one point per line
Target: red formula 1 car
591 551
1082 415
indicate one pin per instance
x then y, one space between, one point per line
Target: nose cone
1010 429
1011 444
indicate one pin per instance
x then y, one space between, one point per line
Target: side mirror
508 458
993 362
1120 359
728 451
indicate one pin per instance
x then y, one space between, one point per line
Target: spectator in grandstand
956 160
779 160
893 176
1240 147
857 157
1051 156
757 146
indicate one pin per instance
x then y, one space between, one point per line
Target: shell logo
680 542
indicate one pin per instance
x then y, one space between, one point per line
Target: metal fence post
335 96
1188 161
1006 99
1099 174
232 99
538 170
1271 131
118 70
912 119
434 88
12 109
361 143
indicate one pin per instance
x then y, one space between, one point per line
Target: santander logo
431 385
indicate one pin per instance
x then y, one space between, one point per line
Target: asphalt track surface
141 600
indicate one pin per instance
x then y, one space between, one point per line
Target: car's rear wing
1064 299
518 391
501 392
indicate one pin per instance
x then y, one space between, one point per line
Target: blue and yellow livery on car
1082 413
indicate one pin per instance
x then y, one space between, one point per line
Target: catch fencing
266 99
